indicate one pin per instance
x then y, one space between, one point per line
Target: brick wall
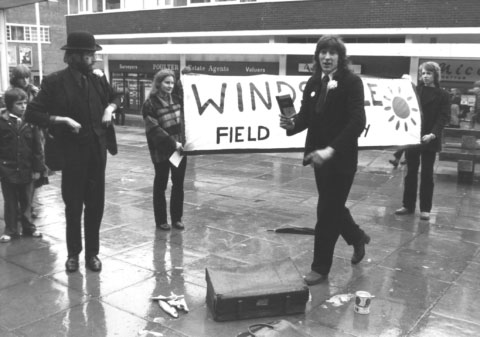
52 14
287 15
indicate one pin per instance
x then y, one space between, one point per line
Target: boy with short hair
21 161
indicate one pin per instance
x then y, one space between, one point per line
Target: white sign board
240 113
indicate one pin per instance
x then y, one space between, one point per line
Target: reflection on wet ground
424 274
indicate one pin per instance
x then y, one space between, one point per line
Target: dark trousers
162 171
16 199
415 157
83 185
333 219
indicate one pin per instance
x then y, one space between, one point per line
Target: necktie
323 93
84 81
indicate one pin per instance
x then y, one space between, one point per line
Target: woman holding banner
333 112
162 115
435 104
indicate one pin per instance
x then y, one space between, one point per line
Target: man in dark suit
333 112
76 104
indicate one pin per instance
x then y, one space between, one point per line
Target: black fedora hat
81 41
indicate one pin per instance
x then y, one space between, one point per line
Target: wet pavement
424 274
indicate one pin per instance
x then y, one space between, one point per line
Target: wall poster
25 55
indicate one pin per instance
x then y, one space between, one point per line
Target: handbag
280 328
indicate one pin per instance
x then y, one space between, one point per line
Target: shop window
118 83
135 88
145 86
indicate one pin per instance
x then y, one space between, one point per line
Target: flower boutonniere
98 72
332 85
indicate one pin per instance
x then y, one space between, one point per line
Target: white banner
240 113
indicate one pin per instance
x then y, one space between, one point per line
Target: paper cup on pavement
362 302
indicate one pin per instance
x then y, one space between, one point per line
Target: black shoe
178 225
93 263
164 226
359 249
35 234
71 265
394 162
313 278
403 211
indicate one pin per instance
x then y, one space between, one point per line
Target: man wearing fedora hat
76 104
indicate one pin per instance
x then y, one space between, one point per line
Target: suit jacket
435 104
338 125
61 95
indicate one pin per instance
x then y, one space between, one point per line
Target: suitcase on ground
267 289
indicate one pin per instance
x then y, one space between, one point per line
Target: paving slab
423 274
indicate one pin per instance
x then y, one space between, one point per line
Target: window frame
29 31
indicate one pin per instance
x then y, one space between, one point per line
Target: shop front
458 78
133 79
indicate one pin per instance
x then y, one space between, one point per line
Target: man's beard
83 67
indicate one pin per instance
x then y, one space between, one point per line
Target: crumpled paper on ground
340 299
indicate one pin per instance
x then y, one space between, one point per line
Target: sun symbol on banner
401 109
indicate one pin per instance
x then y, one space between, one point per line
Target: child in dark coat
21 161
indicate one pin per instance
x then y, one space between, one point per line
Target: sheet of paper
176 158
